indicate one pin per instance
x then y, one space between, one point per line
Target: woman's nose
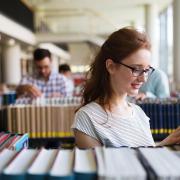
143 77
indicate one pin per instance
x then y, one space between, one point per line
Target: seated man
65 70
157 86
45 81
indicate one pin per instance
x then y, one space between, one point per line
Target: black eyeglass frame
142 71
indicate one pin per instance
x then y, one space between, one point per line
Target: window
166 41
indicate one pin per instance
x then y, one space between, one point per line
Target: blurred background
73 30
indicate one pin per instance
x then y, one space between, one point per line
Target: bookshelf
98 163
52 143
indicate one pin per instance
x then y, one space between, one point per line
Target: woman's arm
84 141
173 138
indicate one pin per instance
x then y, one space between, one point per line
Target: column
11 55
176 43
151 23
55 62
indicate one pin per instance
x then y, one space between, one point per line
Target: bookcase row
55 120
164 116
38 121
13 141
99 163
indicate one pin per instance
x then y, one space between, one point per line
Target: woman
106 117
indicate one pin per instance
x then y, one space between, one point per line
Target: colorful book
21 143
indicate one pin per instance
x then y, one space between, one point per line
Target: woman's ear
110 66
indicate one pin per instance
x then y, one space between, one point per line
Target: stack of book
164 115
69 101
91 164
13 141
39 121
47 118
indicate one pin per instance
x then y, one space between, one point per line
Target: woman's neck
118 101
120 106
114 102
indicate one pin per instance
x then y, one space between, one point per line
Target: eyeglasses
139 72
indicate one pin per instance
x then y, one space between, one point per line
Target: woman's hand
141 96
173 138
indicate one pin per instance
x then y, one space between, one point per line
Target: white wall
15 30
81 54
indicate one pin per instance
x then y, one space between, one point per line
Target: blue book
169 120
156 120
178 114
17 168
164 114
21 143
172 109
85 165
62 168
41 166
160 118
150 115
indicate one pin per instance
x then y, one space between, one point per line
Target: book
85 165
21 143
101 171
42 164
122 163
5 157
4 137
18 167
160 163
62 168
7 143
13 141
89 164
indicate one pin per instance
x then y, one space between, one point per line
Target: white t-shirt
113 130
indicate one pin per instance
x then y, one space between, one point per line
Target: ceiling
98 17
85 24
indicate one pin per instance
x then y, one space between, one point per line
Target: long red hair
119 45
